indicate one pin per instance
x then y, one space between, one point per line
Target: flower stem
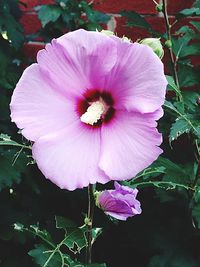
168 29
197 177
89 223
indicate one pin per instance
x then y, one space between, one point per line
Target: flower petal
78 60
137 81
129 145
69 158
36 106
115 207
124 190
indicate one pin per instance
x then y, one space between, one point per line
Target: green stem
169 36
14 144
163 184
90 214
197 177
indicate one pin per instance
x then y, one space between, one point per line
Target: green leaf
196 24
5 140
192 49
197 4
12 28
64 223
12 164
179 127
49 13
150 172
180 45
193 124
173 176
167 185
41 253
136 20
196 213
36 231
75 238
175 172
188 76
78 235
93 15
190 100
172 86
194 11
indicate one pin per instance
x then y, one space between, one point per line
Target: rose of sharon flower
120 203
90 106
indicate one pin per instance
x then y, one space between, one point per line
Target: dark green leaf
192 122
137 20
175 172
172 86
196 213
150 172
49 13
13 29
75 239
196 24
93 15
64 223
11 168
190 100
197 4
194 11
179 127
41 254
188 75
192 49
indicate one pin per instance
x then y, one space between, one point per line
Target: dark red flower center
96 107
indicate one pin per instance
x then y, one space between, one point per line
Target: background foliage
42 225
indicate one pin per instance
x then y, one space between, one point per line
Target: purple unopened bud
120 203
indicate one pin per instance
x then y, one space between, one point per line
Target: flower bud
62 4
155 44
120 203
110 33
107 32
159 7
126 39
168 43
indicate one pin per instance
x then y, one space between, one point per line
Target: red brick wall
31 23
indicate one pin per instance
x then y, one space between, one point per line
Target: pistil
94 112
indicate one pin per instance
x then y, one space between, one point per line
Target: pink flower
120 203
90 106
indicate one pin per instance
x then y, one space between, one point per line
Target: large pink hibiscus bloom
90 106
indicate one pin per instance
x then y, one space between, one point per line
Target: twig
168 29
90 215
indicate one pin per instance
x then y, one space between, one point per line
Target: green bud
106 32
155 44
87 221
62 4
168 43
159 7
126 39
96 197
110 33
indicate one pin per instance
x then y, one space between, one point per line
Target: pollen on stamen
93 113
